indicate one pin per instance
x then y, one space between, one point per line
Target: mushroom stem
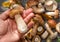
22 27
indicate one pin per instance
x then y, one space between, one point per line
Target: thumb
3 27
5 14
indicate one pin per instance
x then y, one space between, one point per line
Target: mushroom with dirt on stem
15 13
53 35
45 35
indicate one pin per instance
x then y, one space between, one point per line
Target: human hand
8 27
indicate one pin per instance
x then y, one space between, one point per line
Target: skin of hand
8 27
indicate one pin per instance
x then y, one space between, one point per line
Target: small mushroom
36 39
50 5
45 35
58 27
40 30
39 19
38 9
52 23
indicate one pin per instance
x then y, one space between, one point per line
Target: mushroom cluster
45 15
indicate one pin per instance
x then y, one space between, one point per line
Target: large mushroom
15 13
50 5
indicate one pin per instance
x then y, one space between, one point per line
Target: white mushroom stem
22 27
56 12
53 35
58 27
44 35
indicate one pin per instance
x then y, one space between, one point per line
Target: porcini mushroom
52 34
50 5
52 23
15 12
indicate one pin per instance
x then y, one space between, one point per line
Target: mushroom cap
36 39
52 23
40 30
51 5
15 10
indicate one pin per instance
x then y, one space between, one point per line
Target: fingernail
27 12
27 19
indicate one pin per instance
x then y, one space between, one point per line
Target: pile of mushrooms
46 13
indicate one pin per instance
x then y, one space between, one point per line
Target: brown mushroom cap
16 9
52 23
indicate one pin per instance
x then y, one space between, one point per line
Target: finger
27 12
5 14
27 19
30 24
